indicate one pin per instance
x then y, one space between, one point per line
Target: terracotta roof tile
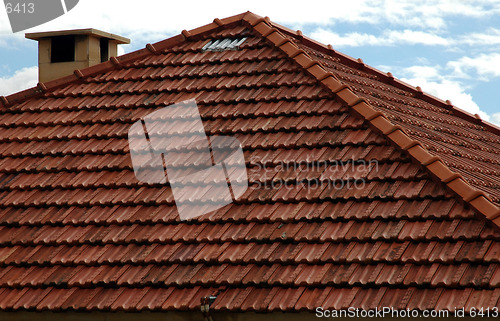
79 232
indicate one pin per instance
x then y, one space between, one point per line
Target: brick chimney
61 52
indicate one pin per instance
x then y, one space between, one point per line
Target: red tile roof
79 232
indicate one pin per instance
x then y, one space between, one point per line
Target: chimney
61 52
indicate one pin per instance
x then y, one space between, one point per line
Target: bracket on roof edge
4 101
206 301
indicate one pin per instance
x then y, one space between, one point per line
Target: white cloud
353 39
432 14
415 37
489 37
152 16
152 20
4 22
423 72
22 79
485 65
495 118
390 37
387 38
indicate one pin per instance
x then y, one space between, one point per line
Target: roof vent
224 44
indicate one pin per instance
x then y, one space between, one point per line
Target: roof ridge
434 164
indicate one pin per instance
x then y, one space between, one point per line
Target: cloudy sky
450 48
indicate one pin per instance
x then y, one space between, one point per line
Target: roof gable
77 227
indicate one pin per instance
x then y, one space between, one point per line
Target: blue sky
449 48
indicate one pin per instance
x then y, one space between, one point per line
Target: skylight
224 44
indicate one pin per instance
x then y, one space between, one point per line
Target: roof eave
155 315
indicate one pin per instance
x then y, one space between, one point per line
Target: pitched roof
80 232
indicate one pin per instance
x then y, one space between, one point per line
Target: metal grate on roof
224 44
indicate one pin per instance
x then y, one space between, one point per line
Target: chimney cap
84 32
